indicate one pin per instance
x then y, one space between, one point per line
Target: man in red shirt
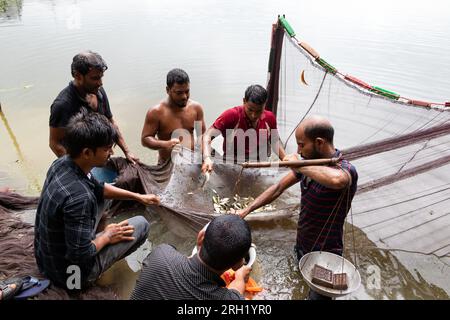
249 131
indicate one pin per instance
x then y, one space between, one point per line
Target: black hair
320 130
177 76
85 61
256 94
227 240
88 130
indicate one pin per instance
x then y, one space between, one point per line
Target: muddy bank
276 268
17 250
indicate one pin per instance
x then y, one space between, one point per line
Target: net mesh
187 197
17 250
401 151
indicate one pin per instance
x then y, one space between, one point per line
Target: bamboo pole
290 164
22 160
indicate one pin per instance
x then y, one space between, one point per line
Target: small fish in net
229 205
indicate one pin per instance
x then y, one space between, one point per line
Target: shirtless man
163 122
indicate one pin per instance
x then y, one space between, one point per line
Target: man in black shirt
67 240
169 275
84 92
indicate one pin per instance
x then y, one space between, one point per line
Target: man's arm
270 194
55 138
240 279
117 232
111 192
200 133
149 131
227 120
210 134
331 177
277 147
200 117
114 233
121 143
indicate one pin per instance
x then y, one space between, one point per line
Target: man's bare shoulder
157 110
195 105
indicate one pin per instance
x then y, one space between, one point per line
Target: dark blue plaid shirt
65 221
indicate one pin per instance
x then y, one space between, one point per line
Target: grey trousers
112 253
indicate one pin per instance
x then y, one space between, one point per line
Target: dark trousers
112 253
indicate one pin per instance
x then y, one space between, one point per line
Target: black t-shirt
68 103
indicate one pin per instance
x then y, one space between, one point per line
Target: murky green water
224 46
276 268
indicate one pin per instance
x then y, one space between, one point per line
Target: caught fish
226 205
302 78
205 179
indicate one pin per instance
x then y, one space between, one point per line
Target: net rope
399 149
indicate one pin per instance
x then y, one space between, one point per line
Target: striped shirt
169 275
324 209
65 221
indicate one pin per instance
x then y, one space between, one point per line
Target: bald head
85 61
316 127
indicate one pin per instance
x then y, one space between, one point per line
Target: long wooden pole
290 164
19 151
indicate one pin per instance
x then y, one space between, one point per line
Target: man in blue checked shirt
67 238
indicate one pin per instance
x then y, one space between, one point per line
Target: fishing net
17 250
400 147
186 196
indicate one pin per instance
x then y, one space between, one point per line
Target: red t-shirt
234 119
